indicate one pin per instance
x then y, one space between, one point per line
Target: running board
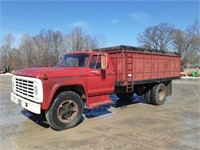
97 101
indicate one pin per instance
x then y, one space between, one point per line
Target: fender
69 81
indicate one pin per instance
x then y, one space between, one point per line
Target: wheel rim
161 95
67 111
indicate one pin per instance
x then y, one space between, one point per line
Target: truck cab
81 79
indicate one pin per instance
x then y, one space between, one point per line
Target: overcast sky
119 22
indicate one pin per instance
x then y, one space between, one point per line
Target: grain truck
85 79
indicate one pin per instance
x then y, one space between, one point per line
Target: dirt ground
123 126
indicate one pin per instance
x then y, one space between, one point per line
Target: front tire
66 111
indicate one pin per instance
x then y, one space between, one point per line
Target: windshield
74 60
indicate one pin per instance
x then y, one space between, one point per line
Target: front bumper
30 106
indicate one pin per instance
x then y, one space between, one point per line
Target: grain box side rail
143 65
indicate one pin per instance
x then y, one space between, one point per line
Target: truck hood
52 72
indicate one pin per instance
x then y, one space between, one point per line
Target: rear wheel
158 94
147 96
66 111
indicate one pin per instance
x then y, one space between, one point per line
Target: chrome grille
25 87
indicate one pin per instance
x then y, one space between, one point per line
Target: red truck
85 79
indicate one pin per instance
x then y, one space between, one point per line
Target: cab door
101 77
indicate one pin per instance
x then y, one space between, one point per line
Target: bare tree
48 46
193 32
41 49
78 40
157 37
187 43
55 41
26 48
15 59
7 47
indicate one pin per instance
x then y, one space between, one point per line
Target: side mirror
104 62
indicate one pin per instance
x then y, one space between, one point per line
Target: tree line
48 46
44 49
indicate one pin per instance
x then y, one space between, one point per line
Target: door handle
95 72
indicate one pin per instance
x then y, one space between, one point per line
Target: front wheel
66 111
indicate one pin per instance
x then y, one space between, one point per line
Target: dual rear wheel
156 95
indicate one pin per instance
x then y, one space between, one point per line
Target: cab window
98 62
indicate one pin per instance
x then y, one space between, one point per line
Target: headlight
36 90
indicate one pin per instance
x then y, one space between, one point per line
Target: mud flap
169 88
